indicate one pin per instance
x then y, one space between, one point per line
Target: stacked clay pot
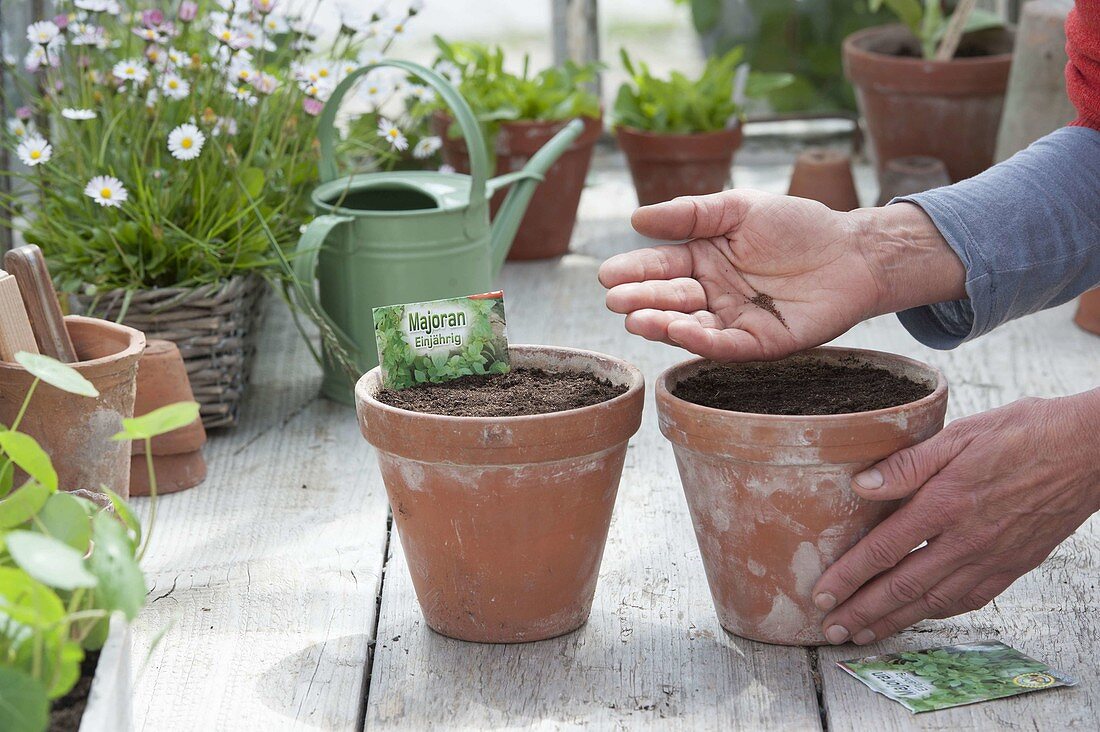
177 455
826 176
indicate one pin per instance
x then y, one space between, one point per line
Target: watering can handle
467 122
305 267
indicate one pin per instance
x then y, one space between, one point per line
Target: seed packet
952 676
440 340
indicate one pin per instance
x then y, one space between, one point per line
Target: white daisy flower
111 7
265 83
106 190
174 86
185 142
421 93
393 28
132 70
427 147
393 134
225 126
369 56
177 57
275 25
263 7
149 35
85 34
20 129
34 151
78 114
449 71
229 37
36 58
42 32
242 93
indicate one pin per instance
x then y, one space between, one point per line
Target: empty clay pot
76 431
912 174
666 166
1088 312
503 520
826 176
547 226
944 109
177 455
769 495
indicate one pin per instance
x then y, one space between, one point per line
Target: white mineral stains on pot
496 435
757 568
807 566
785 619
411 471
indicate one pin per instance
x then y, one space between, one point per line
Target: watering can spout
507 220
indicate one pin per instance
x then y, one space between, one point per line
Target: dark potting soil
66 712
800 387
521 391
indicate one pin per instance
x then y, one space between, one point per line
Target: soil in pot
503 519
67 712
522 391
769 487
800 388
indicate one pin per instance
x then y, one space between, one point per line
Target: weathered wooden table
287 601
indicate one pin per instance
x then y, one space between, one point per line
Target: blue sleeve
1027 230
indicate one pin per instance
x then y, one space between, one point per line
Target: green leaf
7 478
50 561
22 504
63 517
28 601
24 706
126 514
25 452
705 14
121 584
253 181
56 374
159 421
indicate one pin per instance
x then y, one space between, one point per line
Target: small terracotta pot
769 495
666 166
913 174
944 109
826 176
177 456
1088 312
76 431
503 520
547 225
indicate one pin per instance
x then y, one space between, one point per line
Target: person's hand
824 271
992 494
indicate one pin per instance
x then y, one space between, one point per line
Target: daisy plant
177 147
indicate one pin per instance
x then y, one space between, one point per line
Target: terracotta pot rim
664 393
852 49
636 132
134 347
363 392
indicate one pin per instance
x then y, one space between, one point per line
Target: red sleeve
1083 69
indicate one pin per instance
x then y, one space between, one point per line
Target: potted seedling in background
933 85
501 465
520 113
766 453
68 563
679 134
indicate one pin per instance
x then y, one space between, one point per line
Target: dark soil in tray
800 387
66 712
521 391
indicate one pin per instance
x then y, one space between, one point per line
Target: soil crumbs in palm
800 387
521 391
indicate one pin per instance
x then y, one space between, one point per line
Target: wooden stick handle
949 44
15 327
28 266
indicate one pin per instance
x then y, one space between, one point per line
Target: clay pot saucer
825 175
503 520
177 456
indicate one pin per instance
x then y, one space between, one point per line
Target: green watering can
406 236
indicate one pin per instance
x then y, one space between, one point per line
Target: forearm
1025 233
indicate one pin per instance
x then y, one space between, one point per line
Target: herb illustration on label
939 678
441 340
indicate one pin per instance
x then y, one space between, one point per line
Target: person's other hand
992 494
824 271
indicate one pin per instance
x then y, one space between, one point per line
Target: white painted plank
267 573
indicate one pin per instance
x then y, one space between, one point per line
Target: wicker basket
214 326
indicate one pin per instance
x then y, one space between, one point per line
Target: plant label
440 340
951 676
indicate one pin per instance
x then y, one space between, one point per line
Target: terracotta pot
547 225
944 109
76 431
769 495
666 166
1088 312
177 456
503 520
913 174
826 176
